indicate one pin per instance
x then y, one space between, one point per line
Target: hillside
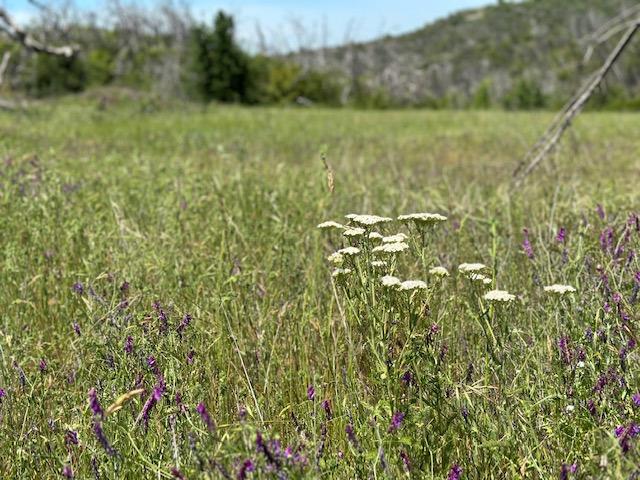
494 54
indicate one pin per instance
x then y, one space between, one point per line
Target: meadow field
171 254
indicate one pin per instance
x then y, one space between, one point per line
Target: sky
280 20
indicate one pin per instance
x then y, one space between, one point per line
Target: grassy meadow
172 253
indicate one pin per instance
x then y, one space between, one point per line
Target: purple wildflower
162 316
351 435
97 429
407 378
600 211
153 364
124 288
560 237
526 244
42 365
76 328
396 422
591 406
177 474
78 288
3 394
206 418
625 434
606 239
326 406
405 460
311 393
128 345
565 470
565 352
636 399
186 320
455 473
247 467
71 437
67 472
94 403
190 356
154 398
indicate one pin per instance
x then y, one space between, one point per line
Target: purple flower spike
42 365
186 320
560 237
311 393
3 394
97 429
128 345
326 406
71 437
636 399
206 418
455 473
94 403
396 422
600 211
76 328
246 468
526 244
78 288
405 460
177 474
154 398
67 472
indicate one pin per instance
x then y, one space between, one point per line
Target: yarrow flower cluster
425 218
395 247
558 289
499 296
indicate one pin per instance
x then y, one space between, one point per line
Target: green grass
213 213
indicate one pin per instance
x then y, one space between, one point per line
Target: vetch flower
391 248
94 404
439 272
499 296
396 422
455 473
311 392
97 430
560 237
398 237
330 224
67 472
128 345
413 285
558 289
204 415
526 244
390 281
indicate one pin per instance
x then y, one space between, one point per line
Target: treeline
172 55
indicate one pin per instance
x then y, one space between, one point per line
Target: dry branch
553 134
22 37
4 64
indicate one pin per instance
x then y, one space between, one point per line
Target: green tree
220 69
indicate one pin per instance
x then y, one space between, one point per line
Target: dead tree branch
17 34
553 134
4 64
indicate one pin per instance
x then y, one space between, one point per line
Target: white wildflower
570 408
335 257
390 281
580 364
391 247
559 289
431 218
413 285
471 267
341 271
330 224
478 277
499 296
351 216
369 220
375 236
349 251
439 272
378 263
398 237
353 232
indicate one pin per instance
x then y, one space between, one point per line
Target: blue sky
356 19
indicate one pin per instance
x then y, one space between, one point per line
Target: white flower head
570 408
580 364
390 248
478 277
378 264
499 296
471 267
398 237
375 236
369 220
351 216
424 218
390 281
413 285
336 257
330 224
353 232
439 272
349 251
558 289
340 271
